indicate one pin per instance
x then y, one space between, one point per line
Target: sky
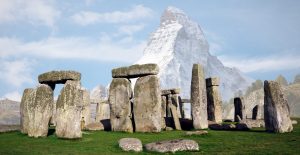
261 38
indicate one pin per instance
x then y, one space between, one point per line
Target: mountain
176 45
9 112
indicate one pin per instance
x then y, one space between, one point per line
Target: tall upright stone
120 93
276 109
40 111
198 98
163 111
239 109
68 111
86 111
214 101
174 113
147 104
28 99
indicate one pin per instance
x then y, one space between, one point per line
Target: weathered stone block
276 109
28 99
40 112
135 71
102 112
214 104
198 98
120 94
68 111
59 77
147 104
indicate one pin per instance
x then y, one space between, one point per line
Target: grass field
255 141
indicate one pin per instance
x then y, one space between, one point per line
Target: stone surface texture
120 93
198 98
28 99
94 126
135 71
40 111
68 111
214 101
276 109
131 144
59 76
173 146
147 104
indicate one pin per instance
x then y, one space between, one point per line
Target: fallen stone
198 98
68 111
40 111
94 126
131 144
147 104
243 126
276 109
229 126
199 132
28 99
59 77
173 146
216 126
135 71
120 94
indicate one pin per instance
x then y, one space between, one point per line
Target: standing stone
28 99
102 112
163 111
175 117
255 112
198 98
169 102
239 109
214 101
147 104
120 94
52 120
86 111
41 111
68 111
276 109
175 102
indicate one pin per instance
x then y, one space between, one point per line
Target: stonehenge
276 109
198 98
214 101
142 108
140 112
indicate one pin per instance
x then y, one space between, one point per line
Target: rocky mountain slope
176 45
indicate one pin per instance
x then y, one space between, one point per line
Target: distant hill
9 112
255 95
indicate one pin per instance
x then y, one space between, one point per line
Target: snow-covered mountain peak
179 43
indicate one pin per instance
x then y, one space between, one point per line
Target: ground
255 141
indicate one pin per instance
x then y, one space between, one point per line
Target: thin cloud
104 49
31 11
267 64
88 17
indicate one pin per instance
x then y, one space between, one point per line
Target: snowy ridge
179 43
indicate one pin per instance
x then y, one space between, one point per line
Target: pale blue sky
261 38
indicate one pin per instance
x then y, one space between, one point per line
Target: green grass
255 141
